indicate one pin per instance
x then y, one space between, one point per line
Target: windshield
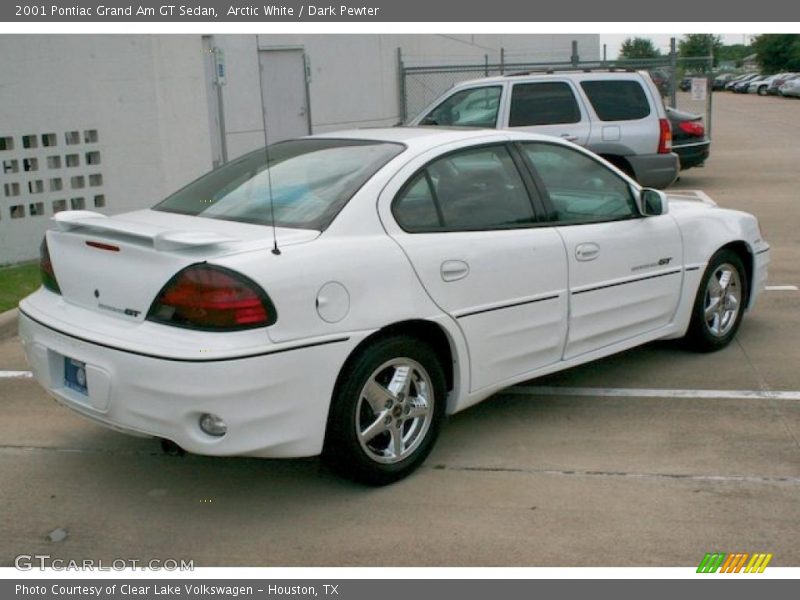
309 181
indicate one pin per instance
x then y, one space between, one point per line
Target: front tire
719 305
386 411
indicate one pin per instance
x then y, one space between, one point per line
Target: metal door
284 94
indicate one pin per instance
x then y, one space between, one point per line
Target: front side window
544 103
305 183
617 100
476 107
469 190
581 189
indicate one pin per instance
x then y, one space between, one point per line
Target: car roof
580 75
429 136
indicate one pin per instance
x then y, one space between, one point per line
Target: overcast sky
661 40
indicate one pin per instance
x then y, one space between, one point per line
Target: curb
8 324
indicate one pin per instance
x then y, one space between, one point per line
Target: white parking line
528 390
781 288
15 374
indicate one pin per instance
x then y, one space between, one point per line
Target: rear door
549 107
625 270
468 226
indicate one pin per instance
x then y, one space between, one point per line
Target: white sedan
340 294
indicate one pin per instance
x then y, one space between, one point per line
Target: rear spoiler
160 238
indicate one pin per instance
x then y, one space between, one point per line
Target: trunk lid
118 265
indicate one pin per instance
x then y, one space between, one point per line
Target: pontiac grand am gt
410 273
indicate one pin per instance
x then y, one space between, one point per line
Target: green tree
633 48
695 45
777 52
734 53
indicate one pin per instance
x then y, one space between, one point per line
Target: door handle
588 251
569 137
453 270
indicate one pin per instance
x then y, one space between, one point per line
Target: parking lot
586 474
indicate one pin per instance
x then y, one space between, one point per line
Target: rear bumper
655 170
275 405
692 154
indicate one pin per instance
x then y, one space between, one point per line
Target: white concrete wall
144 95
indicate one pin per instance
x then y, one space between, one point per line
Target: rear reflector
693 128
665 137
102 246
214 299
46 268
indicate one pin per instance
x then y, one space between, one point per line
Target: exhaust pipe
170 448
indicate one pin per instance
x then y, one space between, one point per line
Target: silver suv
618 115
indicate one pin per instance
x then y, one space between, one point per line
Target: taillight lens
46 268
665 138
695 128
214 299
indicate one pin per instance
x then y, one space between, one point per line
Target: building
115 123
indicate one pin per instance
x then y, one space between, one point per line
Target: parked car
689 139
760 85
685 84
618 115
341 293
740 87
775 86
791 88
739 78
662 80
720 81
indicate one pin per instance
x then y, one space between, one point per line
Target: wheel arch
745 254
436 335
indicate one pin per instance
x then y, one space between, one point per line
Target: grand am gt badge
128 312
662 262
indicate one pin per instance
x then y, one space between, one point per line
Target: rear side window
617 100
545 103
475 107
471 190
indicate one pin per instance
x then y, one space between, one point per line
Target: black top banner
473 11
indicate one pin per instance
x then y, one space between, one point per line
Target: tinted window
465 191
308 182
543 104
475 107
416 209
617 100
581 189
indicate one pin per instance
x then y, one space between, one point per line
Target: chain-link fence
420 85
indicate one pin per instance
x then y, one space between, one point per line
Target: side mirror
652 202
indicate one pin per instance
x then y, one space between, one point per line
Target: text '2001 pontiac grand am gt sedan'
410 273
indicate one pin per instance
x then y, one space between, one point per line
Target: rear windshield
617 100
308 181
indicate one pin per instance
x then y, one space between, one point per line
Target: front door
625 270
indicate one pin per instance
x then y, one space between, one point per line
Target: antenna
275 249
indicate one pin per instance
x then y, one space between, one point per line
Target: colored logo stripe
734 563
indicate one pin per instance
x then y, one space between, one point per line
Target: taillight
665 137
212 298
695 128
46 268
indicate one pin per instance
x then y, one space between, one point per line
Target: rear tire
719 305
386 411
